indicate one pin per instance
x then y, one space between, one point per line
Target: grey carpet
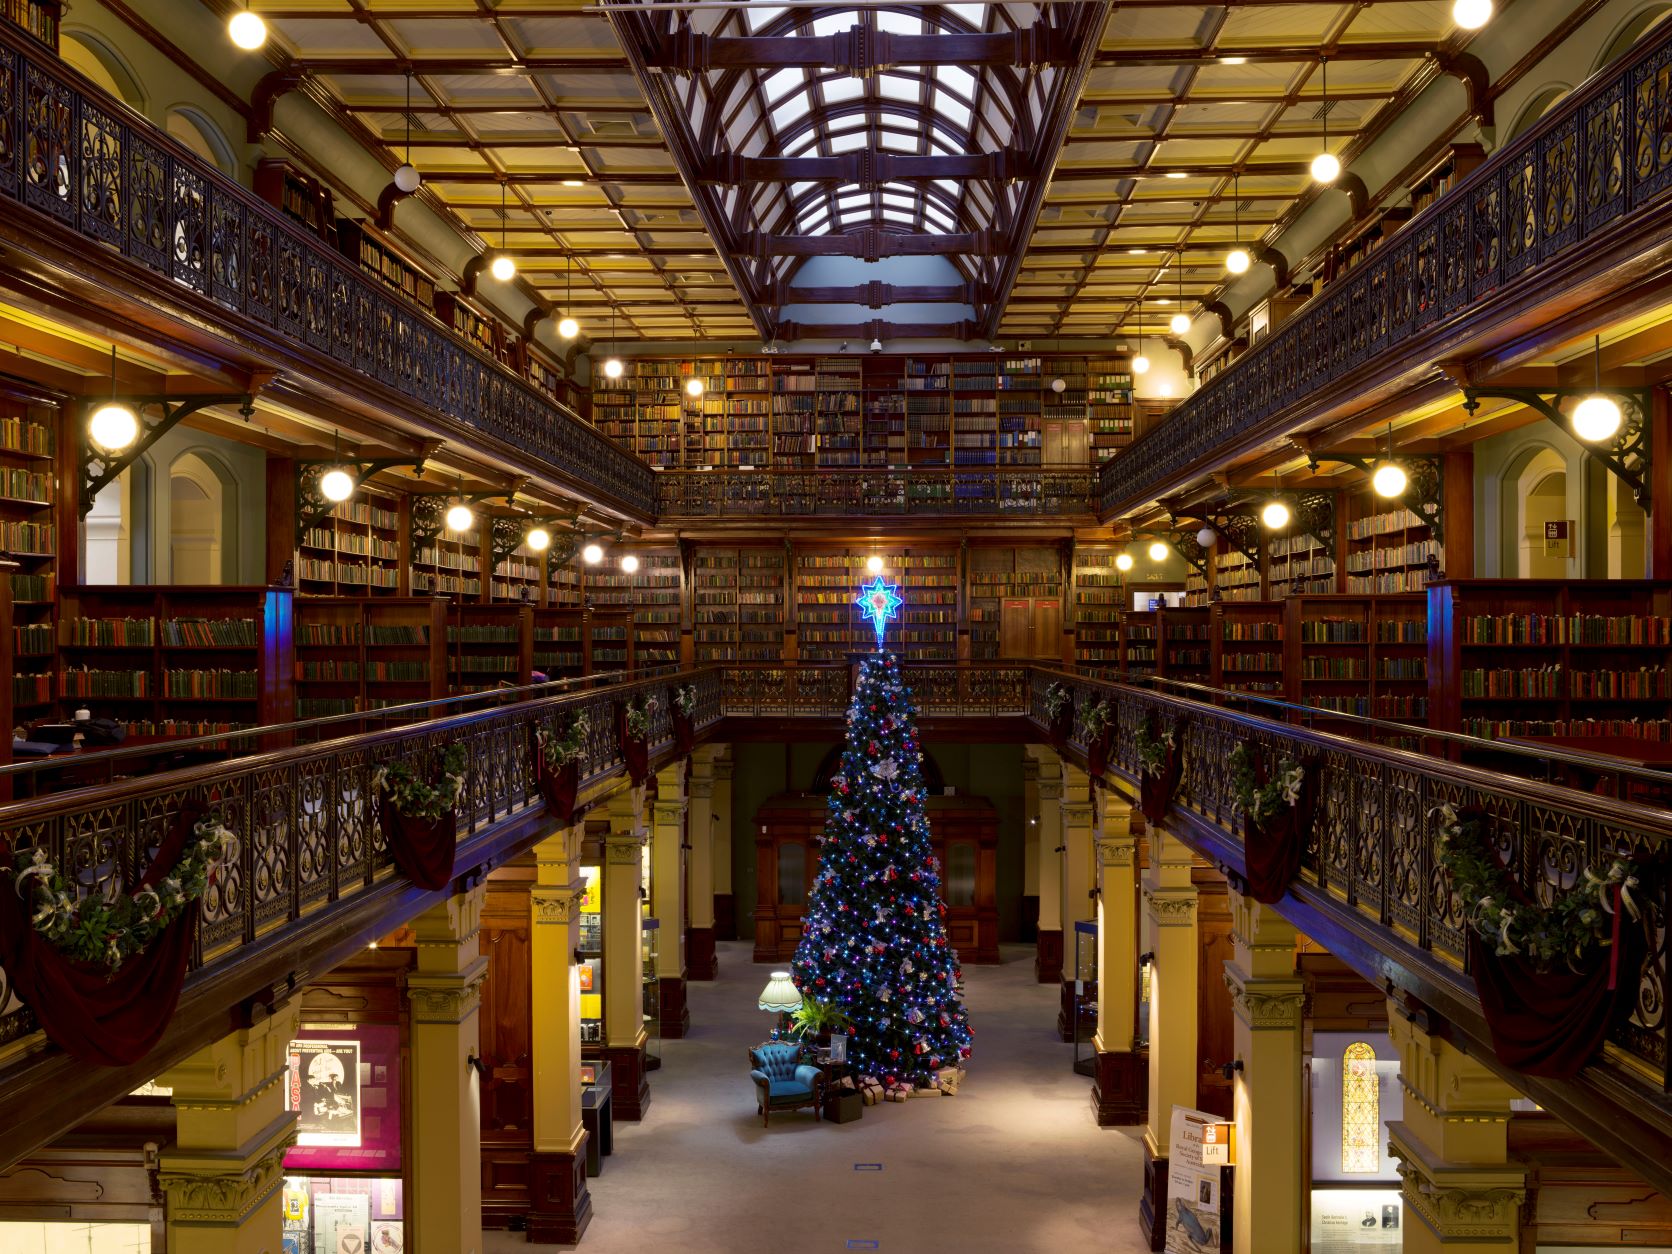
1013 1163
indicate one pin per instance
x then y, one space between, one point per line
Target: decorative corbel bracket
1425 481
1629 454
158 415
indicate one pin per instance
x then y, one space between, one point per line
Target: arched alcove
95 60
1631 31
1541 102
197 132
202 517
1538 495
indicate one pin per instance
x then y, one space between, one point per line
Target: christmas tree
874 944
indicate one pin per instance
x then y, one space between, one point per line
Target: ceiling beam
878 329
872 244
859 51
868 169
875 295
1187 54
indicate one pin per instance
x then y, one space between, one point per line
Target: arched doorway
202 498
1540 496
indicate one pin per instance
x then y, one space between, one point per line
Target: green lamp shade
780 995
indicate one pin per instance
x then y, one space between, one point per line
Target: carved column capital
1117 851
670 813
446 996
1171 907
624 848
1050 789
557 905
701 787
1266 1005
1461 1204
201 1192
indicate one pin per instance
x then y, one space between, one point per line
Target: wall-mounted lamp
1146 959
478 1066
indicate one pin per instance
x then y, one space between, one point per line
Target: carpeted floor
1013 1163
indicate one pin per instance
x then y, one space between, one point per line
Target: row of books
1625 629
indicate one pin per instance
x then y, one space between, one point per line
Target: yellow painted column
1030 831
560 1207
1047 963
700 963
1119 1092
220 1180
1460 1189
1268 1000
1078 870
667 893
725 903
624 1034
1170 902
445 991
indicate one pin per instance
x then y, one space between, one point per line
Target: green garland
685 700
416 798
1057 699
1097 716
105 931
638 717
1260 803
559 751
1579 920
1152 749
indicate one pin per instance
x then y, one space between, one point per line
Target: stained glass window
1361 1109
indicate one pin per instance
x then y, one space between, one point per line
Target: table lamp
781 997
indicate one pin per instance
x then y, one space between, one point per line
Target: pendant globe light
113 425
567 327
504 267
1326 167
337 484
1471 14
1389 478
1597 417
1237 260
1140 363
246 29
612 363
1058 383
1180 322
407 178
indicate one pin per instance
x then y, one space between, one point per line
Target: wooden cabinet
963 835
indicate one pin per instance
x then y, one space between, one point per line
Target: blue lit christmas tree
875 941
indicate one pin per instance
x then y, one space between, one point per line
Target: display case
1081 998
590 970
649 949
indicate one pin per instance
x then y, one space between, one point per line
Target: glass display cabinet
591 968
1082 996
652 994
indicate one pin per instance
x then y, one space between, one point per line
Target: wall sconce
1146 959
478 1066
1229 1069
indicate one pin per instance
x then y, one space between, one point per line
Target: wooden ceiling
1100 165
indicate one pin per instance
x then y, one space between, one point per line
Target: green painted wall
991 771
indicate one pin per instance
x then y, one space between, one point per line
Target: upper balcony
1553 221
108 205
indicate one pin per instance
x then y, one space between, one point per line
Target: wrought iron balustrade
845 491
306 818
1374 846
96 168
1601 158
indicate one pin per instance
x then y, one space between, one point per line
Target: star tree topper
880 601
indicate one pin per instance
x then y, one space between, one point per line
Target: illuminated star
880 602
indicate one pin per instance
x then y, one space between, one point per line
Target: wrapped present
928 1090
870 1096
949 1080
900 1093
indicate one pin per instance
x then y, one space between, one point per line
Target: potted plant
1160 764
420 819
683 706
1097 716
814 1021
1277 817
1059 713
633 735
557 764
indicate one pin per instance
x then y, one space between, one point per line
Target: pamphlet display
1198 1210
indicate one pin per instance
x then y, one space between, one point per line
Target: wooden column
725 904
1119 1091
1047 962
667 892
1457 512
700 962
1660 497
1030 846
281 515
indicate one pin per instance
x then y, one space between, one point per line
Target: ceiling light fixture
1206 537
873 564
1157 551
113 425
1180 322
630 564
407 178
1140 363
693 387
567 327
612 364
574 183
459 516
336 484
1233 60
1237 260
1177 174
247 30
1326 167
1275 514
1389 478
592 554
504 266
1123 561
1597 417
538 540
1471 14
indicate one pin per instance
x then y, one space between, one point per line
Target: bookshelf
366 653
1099 593
610 640
1139 642
355 550
1014 602
1299 563
738 604
489 646
364 245
29 546
1531 657
449 565
562 643
1390 550
830 626
1358 654
39 19
1236 578
1247 646
300 197
1186 646
518 577
652 594
973 412
176 660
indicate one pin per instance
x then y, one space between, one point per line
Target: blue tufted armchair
783 1081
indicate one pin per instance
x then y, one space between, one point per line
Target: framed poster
324 1091
1347 1220
342 1223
